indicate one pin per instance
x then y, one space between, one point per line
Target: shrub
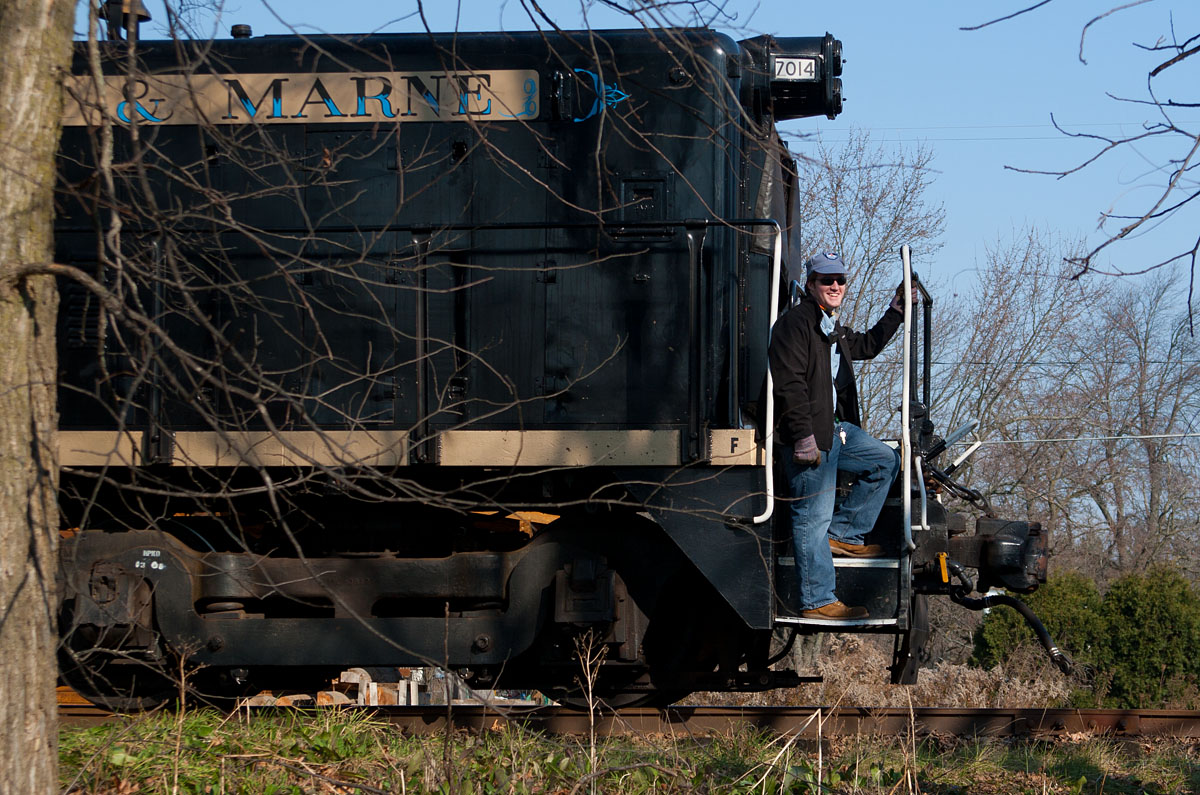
1135 646
1152 637
1069 606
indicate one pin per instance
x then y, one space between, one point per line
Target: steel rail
804 722
812 722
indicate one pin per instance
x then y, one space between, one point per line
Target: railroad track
808 722
813 722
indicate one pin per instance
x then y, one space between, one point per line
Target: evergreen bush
1138 645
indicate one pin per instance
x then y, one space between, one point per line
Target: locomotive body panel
445 271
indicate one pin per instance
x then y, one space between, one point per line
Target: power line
1031 362
1032 126
1065 134
1035 125
1061 137
1085 439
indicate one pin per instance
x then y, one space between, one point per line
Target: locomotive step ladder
884 584
868 582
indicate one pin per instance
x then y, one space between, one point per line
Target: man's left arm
868 344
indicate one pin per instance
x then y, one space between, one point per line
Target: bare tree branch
1007 17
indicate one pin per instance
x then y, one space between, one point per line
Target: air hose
786 648
1057 655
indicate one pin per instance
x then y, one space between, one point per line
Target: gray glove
805 451
898 298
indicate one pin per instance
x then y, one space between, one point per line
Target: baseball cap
825 262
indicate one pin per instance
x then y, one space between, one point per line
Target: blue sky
979 100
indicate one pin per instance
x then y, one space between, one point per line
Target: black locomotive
448 350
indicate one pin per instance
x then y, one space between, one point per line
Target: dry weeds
854 669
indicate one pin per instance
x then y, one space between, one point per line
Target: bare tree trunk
35 38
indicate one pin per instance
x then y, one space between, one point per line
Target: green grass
349 751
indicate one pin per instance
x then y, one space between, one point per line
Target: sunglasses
829 281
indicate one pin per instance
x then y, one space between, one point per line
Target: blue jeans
817 514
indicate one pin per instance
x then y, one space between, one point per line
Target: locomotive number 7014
794 68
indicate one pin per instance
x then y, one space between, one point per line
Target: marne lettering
445 95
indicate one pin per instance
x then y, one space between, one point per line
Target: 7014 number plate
795 68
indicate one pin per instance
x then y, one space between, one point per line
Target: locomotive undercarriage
670 595
231 603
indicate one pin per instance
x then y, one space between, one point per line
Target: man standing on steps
817 418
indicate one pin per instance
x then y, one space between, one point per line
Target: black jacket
799 357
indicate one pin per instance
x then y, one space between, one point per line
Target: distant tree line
1088 396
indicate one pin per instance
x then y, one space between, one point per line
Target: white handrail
769 426
906 409
911 545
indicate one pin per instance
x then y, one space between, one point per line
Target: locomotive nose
803 74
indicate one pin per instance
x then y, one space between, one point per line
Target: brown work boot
835 611
855 550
